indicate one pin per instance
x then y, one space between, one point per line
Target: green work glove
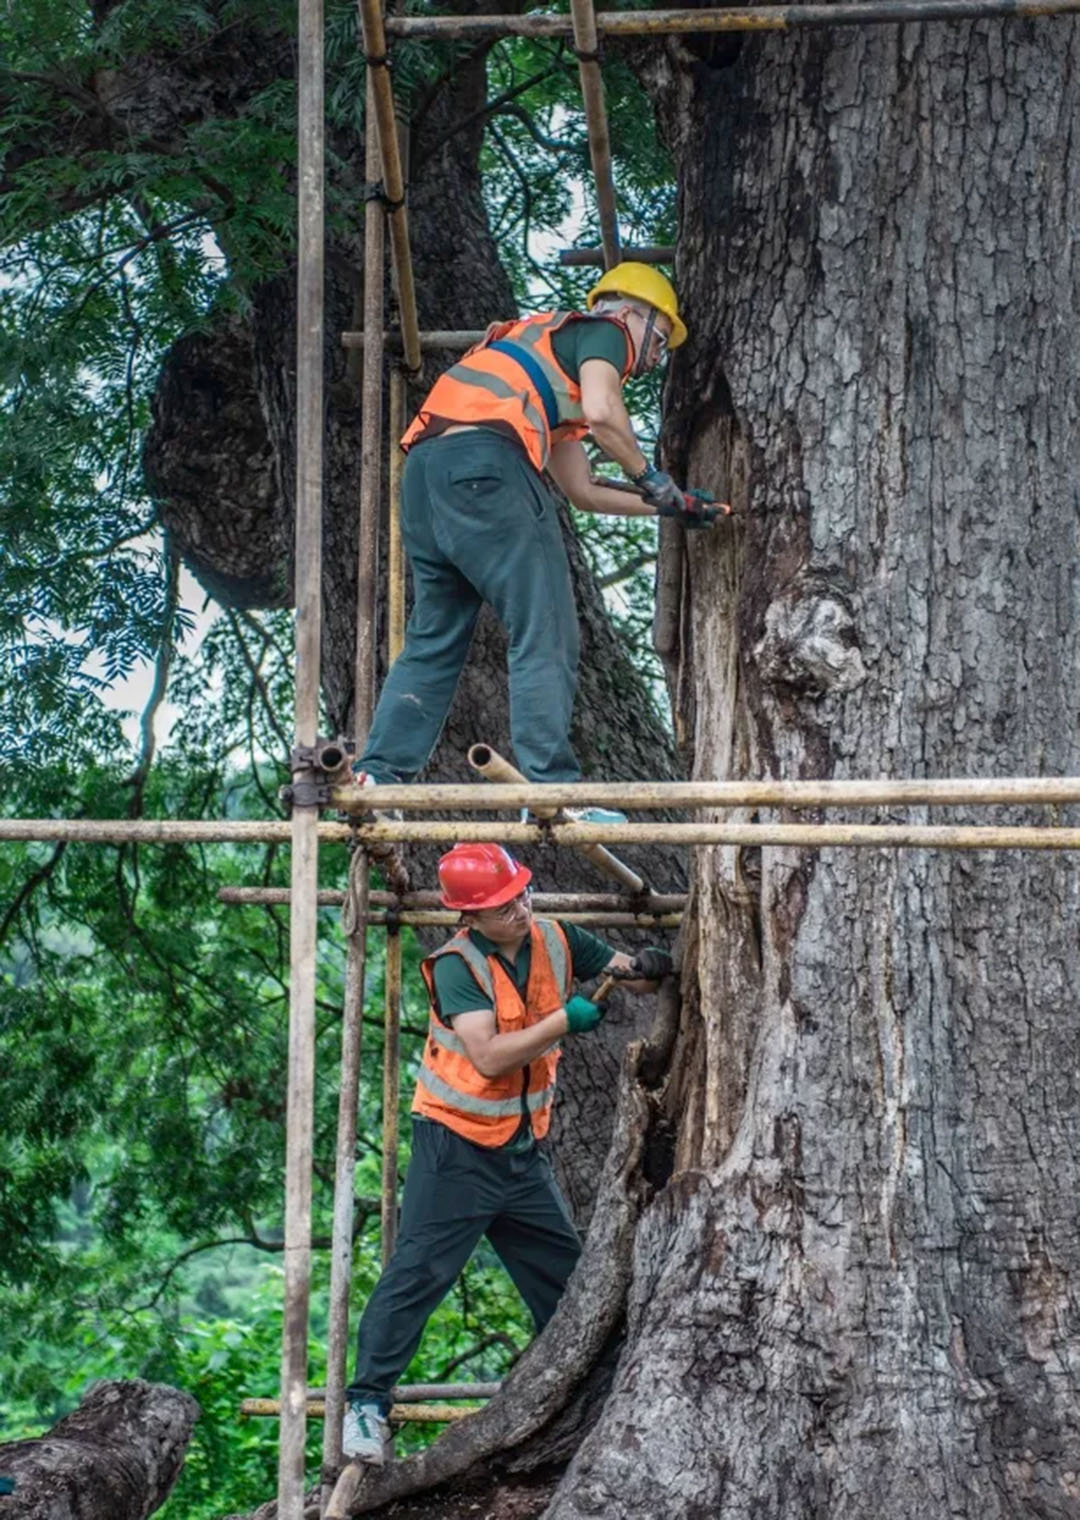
652 964
581 1015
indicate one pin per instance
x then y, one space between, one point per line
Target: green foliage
142 1024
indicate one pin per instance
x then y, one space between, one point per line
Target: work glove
582 1015
693 508
652 964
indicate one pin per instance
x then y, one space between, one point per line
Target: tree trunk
854 1297
115 1458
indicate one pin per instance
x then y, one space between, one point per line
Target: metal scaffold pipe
391 1093
586 44
393 179
370 437
395 633
646 795
560 903
587 258
299 1124
751 18
430 342
916 836
341 1238
493 767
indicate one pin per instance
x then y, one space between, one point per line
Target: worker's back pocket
470 483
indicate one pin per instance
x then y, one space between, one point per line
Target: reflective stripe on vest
558 952
512 379
495 1108
541 384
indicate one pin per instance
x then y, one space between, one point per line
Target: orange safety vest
511 377
449 1089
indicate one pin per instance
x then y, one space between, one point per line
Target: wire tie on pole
594 57
377 60
376 191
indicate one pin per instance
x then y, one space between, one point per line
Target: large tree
847 1230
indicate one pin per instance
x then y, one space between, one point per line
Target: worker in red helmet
501 1001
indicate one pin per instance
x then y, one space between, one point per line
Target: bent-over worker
480 525
500 993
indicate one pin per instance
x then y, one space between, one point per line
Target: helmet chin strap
641 365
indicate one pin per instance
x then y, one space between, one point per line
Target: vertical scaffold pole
587 48
391 1090
396 557
354 918
370 433
305 819
392 1015
354 921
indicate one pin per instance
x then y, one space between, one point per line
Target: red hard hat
476 876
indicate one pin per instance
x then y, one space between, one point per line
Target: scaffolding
636 904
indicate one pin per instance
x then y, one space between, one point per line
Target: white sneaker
365 779
579 815
365 1434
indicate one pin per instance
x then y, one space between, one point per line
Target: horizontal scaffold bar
751 18
650 903
589 258
400 1414
413 1393
430 918
646 795
430 342
915 836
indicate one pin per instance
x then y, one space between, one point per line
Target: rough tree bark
852 1290
115 1458
857 1294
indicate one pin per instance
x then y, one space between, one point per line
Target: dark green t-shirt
457 990
594 338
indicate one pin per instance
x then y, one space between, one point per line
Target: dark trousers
454 1193
479 525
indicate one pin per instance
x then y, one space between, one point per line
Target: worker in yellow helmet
480 525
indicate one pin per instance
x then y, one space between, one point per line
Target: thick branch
118 1455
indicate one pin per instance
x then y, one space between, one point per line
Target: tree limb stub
117 1455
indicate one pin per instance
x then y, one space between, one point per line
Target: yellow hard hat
643 283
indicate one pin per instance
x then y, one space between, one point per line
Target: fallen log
116 1457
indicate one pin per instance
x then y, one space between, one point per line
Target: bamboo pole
391 1092
370 436
589 258
403 1393
341 1247
916 836
493 767
752 18
400 1414
396 565
646 795
375 52
299 1123
559 903
445 918
809 835
586 46
456 340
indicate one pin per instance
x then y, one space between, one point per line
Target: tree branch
29 887
624 572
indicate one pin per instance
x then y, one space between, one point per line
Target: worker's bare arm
607 417
568 465
494 1054
620 961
